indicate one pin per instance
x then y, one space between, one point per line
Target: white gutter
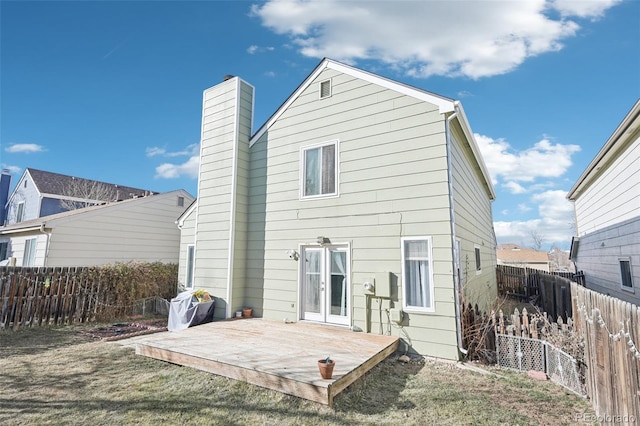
456 283
46 248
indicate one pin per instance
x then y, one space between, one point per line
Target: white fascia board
625 129
186 213
466 128
445 105
18 230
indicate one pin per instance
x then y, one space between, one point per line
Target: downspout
46 247
456 282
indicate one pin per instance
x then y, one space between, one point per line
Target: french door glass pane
312 291
338 283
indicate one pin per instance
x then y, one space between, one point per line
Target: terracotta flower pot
326 368
247 312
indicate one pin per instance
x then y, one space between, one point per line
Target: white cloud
188 168
423 38
514 167
253 49
25 148
189 150
555 222
514 187
583 8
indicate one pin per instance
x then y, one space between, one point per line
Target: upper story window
20 212
478 262
180 201
417 274
320 170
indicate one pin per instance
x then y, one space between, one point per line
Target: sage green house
362 202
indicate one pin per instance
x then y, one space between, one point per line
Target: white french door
324 284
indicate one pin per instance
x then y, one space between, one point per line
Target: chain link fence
524 354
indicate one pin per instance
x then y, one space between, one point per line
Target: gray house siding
600 253
607 207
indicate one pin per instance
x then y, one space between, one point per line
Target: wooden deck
272 354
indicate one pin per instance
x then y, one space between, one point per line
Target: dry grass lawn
58 376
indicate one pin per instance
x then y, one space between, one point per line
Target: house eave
629 125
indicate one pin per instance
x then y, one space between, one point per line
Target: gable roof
614 146
55 184
445 106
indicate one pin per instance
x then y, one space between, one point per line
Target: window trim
320 89
622 278
29 254
302 181
418 309
20 211
477 254
190 269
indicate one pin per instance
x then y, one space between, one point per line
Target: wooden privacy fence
64 295
611 330
550 292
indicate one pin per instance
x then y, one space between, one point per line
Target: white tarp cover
185 311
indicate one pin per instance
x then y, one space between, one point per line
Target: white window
626 279
191 250
478 263
29 258
417 274
20 213
320 170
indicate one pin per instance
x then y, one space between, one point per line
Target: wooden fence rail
64 295
550 292
611 330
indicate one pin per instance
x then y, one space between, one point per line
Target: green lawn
57 376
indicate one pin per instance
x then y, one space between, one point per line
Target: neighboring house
39 193
140 229
606 199
361 201
522 257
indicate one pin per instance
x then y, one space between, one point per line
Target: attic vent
325 89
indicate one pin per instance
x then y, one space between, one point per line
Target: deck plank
272 354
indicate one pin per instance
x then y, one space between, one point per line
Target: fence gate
524 354
520 353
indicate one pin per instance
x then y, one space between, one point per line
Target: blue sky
112 91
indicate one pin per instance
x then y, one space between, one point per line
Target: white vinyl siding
614 196
417 274
141 229
319 165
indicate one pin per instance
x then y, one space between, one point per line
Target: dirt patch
125 330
